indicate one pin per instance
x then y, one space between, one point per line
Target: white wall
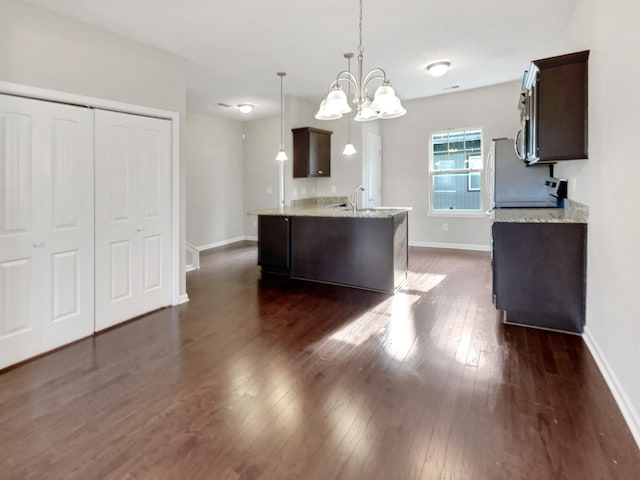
47 50
261 174
215 185
405 157
608 184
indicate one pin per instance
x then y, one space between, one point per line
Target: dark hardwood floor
271 379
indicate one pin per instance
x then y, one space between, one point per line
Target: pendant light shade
282 156
349 149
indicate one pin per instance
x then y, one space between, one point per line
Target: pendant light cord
281 114
349 96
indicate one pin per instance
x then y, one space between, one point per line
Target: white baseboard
251 238
190 268
629 413
220 244
184 298
455 246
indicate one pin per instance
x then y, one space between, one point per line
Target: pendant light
349 149
385 104
282 156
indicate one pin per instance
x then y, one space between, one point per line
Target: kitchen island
367 248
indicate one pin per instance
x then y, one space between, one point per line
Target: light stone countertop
572 213
337 212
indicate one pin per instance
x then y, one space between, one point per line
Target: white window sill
457 214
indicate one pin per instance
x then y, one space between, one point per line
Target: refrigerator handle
515 144
488 173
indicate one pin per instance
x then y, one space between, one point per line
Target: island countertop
332 211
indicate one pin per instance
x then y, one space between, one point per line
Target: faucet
354 203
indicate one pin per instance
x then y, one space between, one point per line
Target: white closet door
133 216
46 226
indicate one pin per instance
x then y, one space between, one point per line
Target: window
456 171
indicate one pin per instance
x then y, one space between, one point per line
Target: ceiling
235 47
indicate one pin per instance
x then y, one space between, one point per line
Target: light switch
269 190
333 189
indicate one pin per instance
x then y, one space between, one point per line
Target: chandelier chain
360 47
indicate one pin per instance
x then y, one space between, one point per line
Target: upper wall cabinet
311 152
554 110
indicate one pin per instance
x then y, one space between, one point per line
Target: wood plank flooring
259 379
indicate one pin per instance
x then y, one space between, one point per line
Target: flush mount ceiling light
385 103
437 69
282 156
245 107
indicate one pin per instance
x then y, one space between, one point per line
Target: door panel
152 263
152 170
120 271
15 281
66 170
133 216
15 172
119 174
66 287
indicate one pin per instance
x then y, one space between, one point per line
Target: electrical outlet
269 190
334 189
445 227
255 223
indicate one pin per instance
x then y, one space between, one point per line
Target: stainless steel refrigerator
512 183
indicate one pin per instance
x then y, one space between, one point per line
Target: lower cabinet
368 253
274 242
539 273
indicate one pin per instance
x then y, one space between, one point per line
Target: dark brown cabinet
311 152
555 109
539 273
274 254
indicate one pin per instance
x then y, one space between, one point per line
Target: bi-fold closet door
133 216
46 226
69 267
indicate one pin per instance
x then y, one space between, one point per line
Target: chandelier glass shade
385 103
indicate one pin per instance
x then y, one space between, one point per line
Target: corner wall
607 183
215 185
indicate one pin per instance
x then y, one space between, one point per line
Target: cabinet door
311 152
540 273
561 109
46 226
319 154
274 243
133 216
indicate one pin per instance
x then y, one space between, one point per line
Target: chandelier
385 104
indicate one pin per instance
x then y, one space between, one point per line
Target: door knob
38 244
140 229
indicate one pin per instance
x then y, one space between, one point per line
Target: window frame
432 172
